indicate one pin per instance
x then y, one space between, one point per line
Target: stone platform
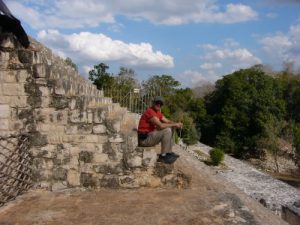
210 200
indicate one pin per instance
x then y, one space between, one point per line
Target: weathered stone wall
78 137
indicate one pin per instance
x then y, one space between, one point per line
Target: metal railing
15 167
135 100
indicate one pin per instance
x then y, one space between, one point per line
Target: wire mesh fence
15 167
135 100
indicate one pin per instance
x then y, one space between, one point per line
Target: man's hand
178 125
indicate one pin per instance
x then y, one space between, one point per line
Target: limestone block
4 111
59 102
14 76
45 174
100 157
99 129
86 180
114 125
46 128
4 99
7 42
13 89
149 157
116 139
45 102
86 167
86 156
162 169
146 180
15 101
16 125
99 148
4 124
45 185
59 91
44 90
71 129
8 132
21 75
44 114
72 104
112 168
74 162
47 164
59 186
34 151
99 116
128 181
135 161
110 181
89 117
54 138
77 117
85 128
4 59
73 178
60 173
84 139
60 116
39 71
30 57
7 76
67 146
49 151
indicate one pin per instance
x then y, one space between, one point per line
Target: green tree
184 107
165 83
126 80
291 85
101 78
71 63
296 143
239 109
271 137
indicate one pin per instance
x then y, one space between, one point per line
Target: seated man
154 128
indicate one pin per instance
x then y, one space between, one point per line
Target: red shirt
145 126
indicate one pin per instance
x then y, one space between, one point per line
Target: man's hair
158 99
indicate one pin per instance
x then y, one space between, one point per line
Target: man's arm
165 123
165 120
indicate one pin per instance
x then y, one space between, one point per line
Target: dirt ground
210 200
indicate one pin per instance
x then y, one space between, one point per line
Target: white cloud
284 48
271 15
210 66
91 13
230 54
89 48
194 78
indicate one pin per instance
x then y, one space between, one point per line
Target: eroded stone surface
209 200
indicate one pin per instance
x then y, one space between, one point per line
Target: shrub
216 156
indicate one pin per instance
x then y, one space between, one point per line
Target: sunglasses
159 103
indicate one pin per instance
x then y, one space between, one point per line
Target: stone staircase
79 138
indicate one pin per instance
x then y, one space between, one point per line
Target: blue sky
196 41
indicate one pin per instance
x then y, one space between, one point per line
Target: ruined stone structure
78 137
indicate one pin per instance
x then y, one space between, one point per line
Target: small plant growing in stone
216 156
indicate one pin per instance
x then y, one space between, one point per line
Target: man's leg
164 136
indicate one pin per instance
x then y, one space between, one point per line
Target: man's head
158 101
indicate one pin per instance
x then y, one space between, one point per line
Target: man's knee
168 131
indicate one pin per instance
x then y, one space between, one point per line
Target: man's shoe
168 159
173 154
